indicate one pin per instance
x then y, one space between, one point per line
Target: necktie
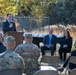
50 37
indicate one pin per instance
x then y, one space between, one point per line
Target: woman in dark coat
66 44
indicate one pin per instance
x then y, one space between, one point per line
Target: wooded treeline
59 11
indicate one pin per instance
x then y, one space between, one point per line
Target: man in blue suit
49 43
8 25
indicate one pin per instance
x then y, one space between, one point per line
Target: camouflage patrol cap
28 35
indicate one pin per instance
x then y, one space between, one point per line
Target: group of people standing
25 56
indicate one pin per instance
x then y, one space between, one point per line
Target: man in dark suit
8 25
2 47
49 43
71 66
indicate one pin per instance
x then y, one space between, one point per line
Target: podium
17 35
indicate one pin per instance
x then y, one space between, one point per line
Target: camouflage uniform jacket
30 53
10 60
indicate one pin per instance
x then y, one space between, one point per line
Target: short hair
8 14
28 35
9 39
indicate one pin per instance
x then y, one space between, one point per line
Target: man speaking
8 25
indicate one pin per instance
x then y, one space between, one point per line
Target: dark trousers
52 49
63 52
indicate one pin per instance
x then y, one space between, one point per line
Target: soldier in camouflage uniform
9 59
30 53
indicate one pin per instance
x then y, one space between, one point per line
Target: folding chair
46 72
71 60
50 60
11 72
73 72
